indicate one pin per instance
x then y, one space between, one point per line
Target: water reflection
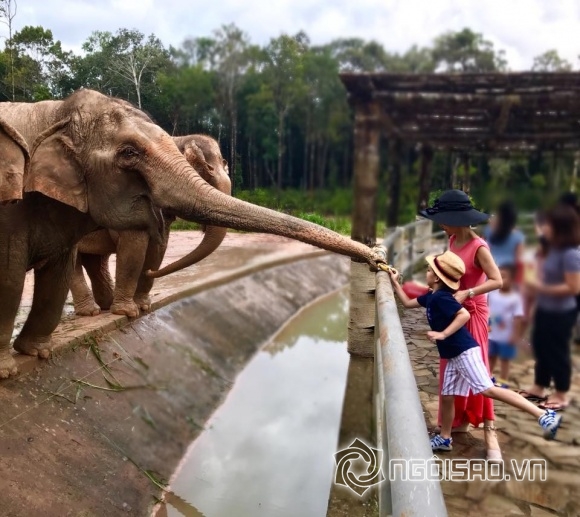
268 449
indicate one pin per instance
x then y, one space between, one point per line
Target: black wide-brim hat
453 208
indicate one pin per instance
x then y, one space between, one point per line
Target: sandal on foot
554 405
531 396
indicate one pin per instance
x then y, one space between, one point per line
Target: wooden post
395 147
357 408
425 176
364 228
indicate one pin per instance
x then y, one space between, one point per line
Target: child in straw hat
465 368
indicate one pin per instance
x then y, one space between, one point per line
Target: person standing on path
506 242
556 311
455 214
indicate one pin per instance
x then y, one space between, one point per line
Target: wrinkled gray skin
137 253
97 161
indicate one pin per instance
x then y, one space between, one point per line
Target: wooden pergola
492 113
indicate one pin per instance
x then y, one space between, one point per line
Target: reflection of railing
400 424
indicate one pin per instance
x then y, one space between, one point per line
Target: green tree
230 58
8 9
283 74
112 62
550 61
467 51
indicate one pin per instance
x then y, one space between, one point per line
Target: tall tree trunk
425 177
305 157
312 164
454 169
324 164
395 150
280 149
575 171
233 143
466 182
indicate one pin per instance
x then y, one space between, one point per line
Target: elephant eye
129 152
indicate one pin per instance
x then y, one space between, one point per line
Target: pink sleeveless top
474 275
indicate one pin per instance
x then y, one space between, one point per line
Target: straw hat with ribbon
448 267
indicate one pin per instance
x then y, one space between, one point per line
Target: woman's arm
461 318
570 286
484 260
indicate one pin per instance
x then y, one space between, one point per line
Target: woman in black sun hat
454 212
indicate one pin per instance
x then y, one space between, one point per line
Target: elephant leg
11 286
97 267
153 259
83 299
132 247
51 285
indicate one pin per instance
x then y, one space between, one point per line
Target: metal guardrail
401 430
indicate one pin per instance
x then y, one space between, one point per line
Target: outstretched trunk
192 198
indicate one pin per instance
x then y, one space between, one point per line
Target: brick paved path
519 435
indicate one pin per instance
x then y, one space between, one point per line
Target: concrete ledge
75 330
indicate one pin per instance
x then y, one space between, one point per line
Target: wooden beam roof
487 112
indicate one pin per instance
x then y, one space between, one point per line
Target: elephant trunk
192 198
212 238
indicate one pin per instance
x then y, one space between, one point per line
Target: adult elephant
137 253
97 161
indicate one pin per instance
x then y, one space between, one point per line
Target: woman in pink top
454 212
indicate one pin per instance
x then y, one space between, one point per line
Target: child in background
465 369
506 321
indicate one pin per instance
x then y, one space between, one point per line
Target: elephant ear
54 169
195 157
14 161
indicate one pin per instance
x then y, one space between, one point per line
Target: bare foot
129 309
491 443
7 367
40 348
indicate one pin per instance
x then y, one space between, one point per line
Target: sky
523 28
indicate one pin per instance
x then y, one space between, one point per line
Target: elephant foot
38 347
129 309
7 367
87 309
143 301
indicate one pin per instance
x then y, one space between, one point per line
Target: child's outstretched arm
405 300
461 318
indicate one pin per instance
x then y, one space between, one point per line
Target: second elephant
137 253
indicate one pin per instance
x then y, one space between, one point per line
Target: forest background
279 111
